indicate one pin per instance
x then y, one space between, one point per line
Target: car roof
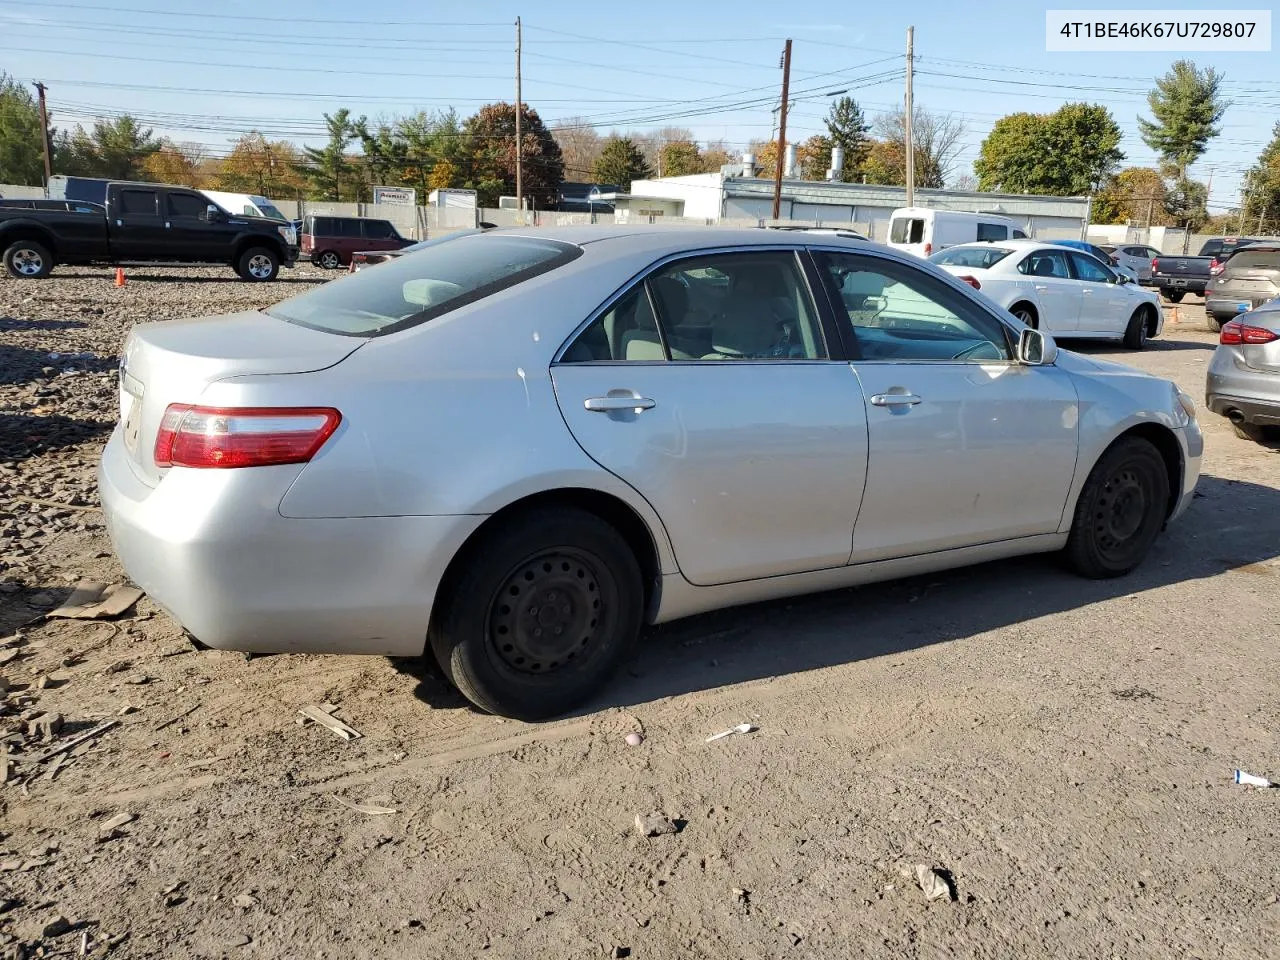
657 239
1018 243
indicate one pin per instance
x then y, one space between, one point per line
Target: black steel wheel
1120 511
542 611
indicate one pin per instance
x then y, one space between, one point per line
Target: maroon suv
329 241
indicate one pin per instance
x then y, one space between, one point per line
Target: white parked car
1057 289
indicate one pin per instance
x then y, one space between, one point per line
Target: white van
245 205
924 231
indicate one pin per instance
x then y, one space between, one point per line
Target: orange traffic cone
119 276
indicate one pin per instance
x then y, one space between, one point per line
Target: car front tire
1135 334
1174 296
542 611
258 265
1120 511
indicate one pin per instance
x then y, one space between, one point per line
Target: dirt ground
1062 749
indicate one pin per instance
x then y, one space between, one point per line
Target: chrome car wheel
27 262
260 267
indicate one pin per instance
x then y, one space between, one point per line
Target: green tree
328 169
679 158
1070 152
1186 104
1262 181
114 149
847 127
621 162
21 152
1186 204
490 155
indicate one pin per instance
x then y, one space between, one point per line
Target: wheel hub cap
260 266
1121 509
546 613
27 262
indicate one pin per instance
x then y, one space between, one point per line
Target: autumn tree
263 167
847 128
813 157
329 171
1186 105
424 151
936 139
715 155
621 162
886 163
490 167
21 152
1134 195
580 146
680 158
170 164
1070 152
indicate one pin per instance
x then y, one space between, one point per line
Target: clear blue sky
711 66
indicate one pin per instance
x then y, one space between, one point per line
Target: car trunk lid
174 361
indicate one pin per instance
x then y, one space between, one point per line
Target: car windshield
980 258
413 289
270 212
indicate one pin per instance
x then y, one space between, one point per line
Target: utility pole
44 134
519 138
782 131
1261 217
908 139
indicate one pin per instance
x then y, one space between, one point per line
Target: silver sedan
513 450
1244 375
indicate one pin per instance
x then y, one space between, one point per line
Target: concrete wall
13 191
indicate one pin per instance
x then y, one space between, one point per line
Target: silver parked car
1136 256
1244 375
512 450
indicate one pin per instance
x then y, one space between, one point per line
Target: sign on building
396 196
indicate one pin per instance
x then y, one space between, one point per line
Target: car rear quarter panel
457 416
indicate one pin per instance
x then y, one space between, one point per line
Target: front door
192 237
707 388
1056 291
137 227
1105 306
966 446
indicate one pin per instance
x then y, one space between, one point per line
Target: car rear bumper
1231 389
1229 307
211 548
1181 284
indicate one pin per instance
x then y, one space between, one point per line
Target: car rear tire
541 613
1120 511
258 265
1214 323
1026 313
1135 334
1174 296
28 260
328 260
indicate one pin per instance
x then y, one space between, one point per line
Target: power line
257 17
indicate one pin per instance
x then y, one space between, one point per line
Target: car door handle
1042 287
615 404
895 400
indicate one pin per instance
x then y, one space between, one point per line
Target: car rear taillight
1215 267
1155 264
928 249
971 281
1234 332
192 436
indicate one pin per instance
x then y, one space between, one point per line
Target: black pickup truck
141 223
1177 276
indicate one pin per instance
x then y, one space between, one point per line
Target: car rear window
980 258
1246 258
413 289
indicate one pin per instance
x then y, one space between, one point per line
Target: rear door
379 235
137 226
1058 293
708 387
191 237
1253 276
965 445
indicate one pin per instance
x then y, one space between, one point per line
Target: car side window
737 306
1090 270
1046 263
186 205
138 203
627 330
377 230
993 231
899 313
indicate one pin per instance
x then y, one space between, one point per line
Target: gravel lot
1062 749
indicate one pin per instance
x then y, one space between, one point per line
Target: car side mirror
212 214
1036 349
1121 278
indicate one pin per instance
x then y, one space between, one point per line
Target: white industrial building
735 194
